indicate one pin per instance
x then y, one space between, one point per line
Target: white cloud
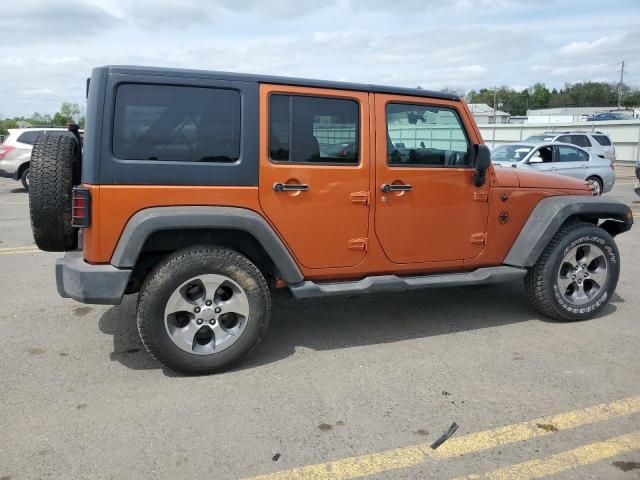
37 91
464 43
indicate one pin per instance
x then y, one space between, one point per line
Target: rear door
426 206
314 172
571 161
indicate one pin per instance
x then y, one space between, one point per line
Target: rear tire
203 309
50 187
24 178
576 275
597 185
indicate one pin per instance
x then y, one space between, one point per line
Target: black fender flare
551 213
150 220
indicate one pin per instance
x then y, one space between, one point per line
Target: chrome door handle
387 187
290 187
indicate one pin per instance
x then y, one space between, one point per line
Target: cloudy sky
53 45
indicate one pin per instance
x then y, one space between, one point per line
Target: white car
558 158
597 143
15 152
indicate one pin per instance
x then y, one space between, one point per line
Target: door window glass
426 136
567 154
318 130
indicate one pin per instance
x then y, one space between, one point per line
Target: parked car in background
559 158
597 143
15 152
604 116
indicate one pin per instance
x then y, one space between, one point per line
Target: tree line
583 94
68 113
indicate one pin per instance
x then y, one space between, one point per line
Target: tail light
613 167
4 149
81 207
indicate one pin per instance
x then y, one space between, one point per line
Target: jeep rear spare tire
50 188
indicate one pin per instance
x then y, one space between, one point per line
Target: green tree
539 96
70 110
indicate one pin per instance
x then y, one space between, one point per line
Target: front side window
305 129
425 136
170 123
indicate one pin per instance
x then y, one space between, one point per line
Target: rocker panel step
393 283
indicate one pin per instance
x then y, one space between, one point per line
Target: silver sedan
559 158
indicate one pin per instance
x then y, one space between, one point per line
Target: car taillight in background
81 207
4 149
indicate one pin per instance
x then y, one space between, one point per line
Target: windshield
539 138
510 153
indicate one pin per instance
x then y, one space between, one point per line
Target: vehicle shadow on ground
18 190
344 322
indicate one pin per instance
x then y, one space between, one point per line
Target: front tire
576 275
203 309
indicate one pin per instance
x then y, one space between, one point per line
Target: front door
427 207
314 172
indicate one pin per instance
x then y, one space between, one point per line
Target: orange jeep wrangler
203 190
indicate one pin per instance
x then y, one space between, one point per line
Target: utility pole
620 88
495 90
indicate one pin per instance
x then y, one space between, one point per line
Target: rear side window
581 140
305 129
169 123
29 137
602 140
570 154
425 136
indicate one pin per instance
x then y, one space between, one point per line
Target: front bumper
87 283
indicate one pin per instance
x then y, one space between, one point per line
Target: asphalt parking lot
339 389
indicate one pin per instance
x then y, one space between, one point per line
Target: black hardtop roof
257 78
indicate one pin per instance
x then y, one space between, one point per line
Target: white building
484 114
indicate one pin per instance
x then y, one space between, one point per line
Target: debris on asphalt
446 436
275 457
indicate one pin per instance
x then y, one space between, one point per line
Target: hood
516 177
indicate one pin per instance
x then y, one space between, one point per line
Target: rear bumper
87 283
5 174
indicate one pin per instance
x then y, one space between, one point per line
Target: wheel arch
153 232
552 213
22 168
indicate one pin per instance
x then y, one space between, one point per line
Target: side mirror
536 159
481 162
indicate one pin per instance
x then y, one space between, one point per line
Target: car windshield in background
510 153
539 138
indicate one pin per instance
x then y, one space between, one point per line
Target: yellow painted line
563 461
15 250
375 463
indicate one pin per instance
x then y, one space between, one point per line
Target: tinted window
602 140
564 139
428 136
313 129
581 140
29 137
188 124
568 154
